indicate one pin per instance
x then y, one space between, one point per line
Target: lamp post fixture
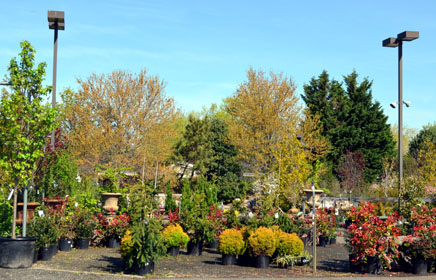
56 21
393 43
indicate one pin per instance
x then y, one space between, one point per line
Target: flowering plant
110 227
368 235
422 242
325 223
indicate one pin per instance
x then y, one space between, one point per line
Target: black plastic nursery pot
419 266
145 269
173 251
44 254
65 244
17 252
113 243
212 245
324 241
228 259
195 249
262 261
83 243
373 265
53 249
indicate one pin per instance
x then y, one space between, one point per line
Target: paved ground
105 263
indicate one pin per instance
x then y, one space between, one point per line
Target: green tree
25 120
352 121
261 112
193 151
427 132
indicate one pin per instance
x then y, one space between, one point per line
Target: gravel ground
105 263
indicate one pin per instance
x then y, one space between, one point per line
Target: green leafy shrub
289 244
147 243
231 242
6 210
84 224
262 242
174 236
44 229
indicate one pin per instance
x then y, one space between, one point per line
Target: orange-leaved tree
120 120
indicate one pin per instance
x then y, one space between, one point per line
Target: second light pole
56 21
393 43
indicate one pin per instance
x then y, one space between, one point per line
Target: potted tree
147 246
231 244
22 143
174 238
262 244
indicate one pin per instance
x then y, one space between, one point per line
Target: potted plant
200 231
66 234
421 244
372 242
22 106
84 227
146 246
231 244
325 226
216 218
44 230
110 187
174 238
110 229
289 244
262 245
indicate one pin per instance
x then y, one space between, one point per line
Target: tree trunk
14 221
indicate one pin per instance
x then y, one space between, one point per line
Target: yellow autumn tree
120 120
427 164
261 113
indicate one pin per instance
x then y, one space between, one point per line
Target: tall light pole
56 21
393 43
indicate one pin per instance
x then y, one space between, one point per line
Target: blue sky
202 49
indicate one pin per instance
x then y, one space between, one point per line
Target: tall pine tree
352 120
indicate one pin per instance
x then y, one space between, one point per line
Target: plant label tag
10 194
41 213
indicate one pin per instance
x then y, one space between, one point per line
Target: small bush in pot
84 226
230 244
174 236
262 244
44 230
289 244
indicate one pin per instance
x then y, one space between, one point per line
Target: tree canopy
261 112
352 121
121 120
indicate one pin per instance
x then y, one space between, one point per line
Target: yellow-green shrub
289 244
174 236
126 245
262 242
231 242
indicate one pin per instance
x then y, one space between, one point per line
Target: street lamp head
407 103
56 19
408 35
394 104
390 42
